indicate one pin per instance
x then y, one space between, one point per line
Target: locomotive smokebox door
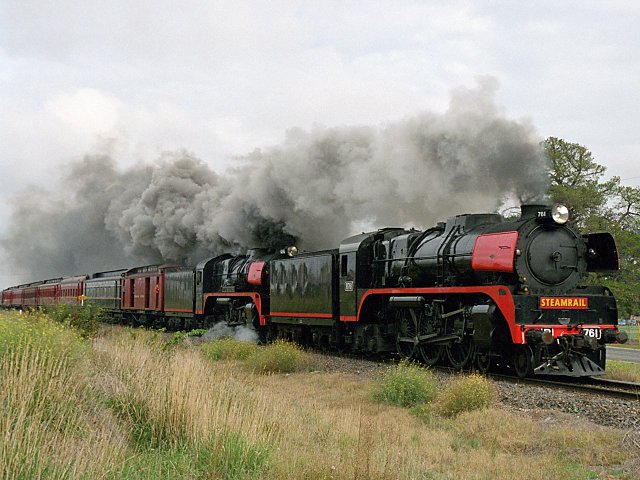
347 284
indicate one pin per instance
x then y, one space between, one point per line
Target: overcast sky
221 78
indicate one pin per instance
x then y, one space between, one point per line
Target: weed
85 319
36 330
46 424
130 409
278 357
230 456
463 394
179 337
406 385
228 349
424 411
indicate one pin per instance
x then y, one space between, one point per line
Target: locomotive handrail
430 257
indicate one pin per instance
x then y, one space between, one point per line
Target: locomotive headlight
559 213
290 251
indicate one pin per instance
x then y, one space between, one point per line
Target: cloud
131 80
86 111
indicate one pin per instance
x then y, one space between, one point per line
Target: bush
179 337
279 357
228 349
464 394
86 319
406 385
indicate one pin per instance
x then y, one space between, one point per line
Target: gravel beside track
544 404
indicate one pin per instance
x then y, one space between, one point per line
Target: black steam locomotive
476 289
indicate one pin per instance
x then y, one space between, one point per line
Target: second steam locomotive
477 289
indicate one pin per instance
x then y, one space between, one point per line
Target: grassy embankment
624 371
129 405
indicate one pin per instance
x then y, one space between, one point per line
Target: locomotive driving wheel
430 354
460 354
522 360
483 361
407 333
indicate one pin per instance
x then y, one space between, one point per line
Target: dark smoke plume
316 188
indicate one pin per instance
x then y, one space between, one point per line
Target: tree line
596 204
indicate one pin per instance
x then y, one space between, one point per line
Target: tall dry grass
51 426
176 400
131 409
623 371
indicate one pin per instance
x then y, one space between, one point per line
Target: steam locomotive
477 289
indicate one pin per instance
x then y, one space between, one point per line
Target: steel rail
593 385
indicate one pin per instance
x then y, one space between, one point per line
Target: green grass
227 457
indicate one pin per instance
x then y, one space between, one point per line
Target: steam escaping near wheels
242 333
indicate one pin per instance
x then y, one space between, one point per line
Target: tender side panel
302 287
179 293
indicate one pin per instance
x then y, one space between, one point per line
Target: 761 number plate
592 332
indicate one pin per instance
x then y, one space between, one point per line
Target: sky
221 79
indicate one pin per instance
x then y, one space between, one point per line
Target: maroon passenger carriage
64 290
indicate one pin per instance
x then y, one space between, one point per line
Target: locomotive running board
579 365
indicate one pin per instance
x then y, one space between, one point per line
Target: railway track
595 385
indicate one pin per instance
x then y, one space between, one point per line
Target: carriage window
343 266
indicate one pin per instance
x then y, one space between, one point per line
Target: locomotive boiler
537 253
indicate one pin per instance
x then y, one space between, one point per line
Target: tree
576 180
599 205
624 224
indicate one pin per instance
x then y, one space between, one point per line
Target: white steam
239 332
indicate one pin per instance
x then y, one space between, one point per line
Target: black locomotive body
476 288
